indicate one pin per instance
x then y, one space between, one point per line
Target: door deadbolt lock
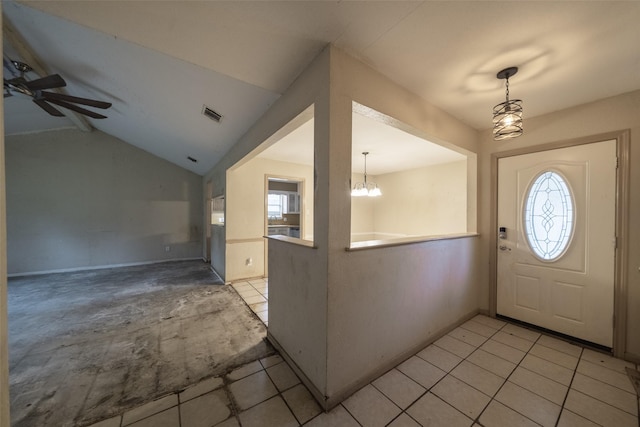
502 233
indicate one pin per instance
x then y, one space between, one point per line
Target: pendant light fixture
365 188
507 116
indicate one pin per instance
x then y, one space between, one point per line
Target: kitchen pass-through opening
284 206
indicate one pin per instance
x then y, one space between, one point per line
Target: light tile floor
484 373
255 293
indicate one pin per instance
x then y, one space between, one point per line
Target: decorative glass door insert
549 216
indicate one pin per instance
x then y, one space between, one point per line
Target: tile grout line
466 359
447 373
477 419
549 361
397 416
599 380
280 392
350 414
450 373
428 390
579 358
235 412
402 411
410 379
249 306
566 396
179 411
451 370
598 399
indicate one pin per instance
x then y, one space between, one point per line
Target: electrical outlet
248 262
167 248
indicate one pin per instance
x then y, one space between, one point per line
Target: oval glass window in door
549 216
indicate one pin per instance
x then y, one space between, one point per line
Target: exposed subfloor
484 373
88 345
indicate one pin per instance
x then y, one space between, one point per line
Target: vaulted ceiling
159 62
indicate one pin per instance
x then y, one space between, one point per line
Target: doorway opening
284 210
287 156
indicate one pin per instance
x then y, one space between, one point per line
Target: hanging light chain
507 116
507 88
365 167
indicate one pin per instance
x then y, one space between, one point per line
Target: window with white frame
277 204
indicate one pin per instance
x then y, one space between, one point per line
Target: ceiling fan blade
49 96
7 89
77 109
48 108
48 82
9 67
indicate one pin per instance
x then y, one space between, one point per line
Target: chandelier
365 188
507 116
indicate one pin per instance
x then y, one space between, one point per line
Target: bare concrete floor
88 345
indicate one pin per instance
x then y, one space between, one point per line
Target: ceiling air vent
213 115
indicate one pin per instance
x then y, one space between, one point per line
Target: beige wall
80 200
420 202
246 195
427 201
389 303
385 303
313 314
297 288
607 115
342 317
246 216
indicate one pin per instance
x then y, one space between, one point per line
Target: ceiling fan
36 90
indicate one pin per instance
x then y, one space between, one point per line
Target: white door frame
620 296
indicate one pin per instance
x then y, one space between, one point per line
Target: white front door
556 255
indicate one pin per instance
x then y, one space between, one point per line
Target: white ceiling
158 62
390 149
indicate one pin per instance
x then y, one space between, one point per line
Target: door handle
504 248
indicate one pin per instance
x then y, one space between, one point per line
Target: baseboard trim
329 402
339 397
99 267
315 392
213 270
633 358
